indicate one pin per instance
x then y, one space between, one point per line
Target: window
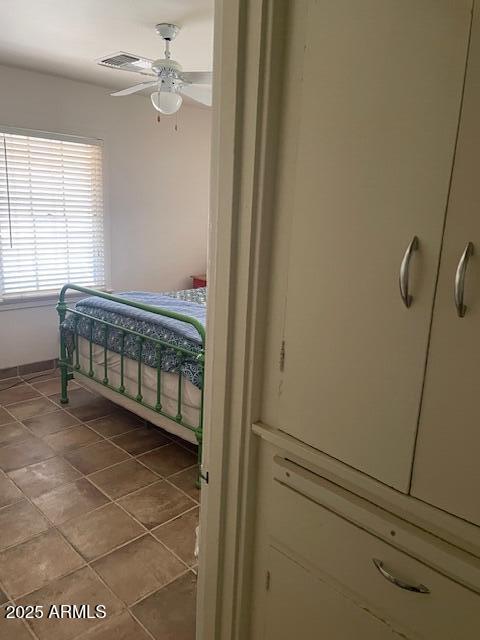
51 213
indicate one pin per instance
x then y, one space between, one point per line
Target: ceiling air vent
126 62
119 60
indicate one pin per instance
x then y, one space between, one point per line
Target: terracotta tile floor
95 508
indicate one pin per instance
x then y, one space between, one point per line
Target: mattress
191 395
178 334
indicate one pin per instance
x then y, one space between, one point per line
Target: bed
144 351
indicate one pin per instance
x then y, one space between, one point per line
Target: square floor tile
138 568
18 393
141 440
187 481
13 629
96 456
82 587
30 408
71 439
78 398
179 535
34 563
12 433
169 614
8 491
156 504
50 423
39 478
5 417
19 522
122 627
95 533
52 386
169 459
116 423
123 478
86 405
70 500
22 454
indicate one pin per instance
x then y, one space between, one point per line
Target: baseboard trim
29 368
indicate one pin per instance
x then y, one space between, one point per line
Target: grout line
117 435
168 481
140 623
32 537
36 398
125 495
85 635
166 584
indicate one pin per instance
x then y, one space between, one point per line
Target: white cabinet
331 578
377 99
447 459
301 605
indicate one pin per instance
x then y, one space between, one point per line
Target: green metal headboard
71 364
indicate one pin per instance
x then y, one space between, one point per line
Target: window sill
47 300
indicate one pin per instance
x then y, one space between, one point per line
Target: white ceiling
65 37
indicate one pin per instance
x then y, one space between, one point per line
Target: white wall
156 190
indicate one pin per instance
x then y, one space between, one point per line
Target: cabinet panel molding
378 91
446 470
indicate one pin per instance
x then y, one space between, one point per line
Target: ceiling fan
170 80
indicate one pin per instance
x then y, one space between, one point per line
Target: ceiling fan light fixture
166 102
170 80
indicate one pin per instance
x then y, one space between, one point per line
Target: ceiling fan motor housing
166 66
167 31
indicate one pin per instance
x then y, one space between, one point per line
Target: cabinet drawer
321 612
344 554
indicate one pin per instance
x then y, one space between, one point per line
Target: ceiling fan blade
135 88
197 77
199 93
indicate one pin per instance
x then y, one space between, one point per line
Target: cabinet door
447 458
301 605
378 94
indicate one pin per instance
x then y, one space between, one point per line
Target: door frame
247 44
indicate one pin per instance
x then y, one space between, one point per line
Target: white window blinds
51 214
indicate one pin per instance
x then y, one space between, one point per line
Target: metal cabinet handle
405 272
416 588
460 279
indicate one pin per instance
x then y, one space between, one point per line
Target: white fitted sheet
191 395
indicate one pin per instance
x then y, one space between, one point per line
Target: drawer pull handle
416 588
405 272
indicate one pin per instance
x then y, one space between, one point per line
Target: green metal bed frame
70 365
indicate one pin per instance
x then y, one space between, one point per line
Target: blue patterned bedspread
190 302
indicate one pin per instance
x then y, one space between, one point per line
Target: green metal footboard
70 365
